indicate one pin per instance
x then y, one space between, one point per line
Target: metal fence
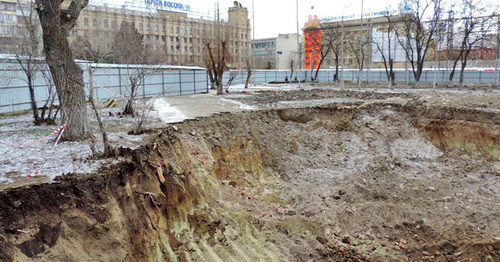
108 81
112 81
480 75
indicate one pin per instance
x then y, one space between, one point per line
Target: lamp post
298 42
342 49
253 44
360 72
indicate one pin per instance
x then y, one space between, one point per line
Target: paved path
178 108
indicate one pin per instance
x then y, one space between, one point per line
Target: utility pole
298 43
253 36
497 69
342 49
406 62
218 34
360 71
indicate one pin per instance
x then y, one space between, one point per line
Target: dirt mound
374 182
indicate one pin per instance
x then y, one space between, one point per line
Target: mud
355 181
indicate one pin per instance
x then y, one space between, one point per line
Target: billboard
312 37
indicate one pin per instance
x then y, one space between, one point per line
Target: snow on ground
240 104
17 163
168 113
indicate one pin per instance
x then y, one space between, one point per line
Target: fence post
163 82
194 81
144 87
120 80
180 82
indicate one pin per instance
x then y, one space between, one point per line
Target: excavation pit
357 181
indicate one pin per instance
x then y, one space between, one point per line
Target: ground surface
309 173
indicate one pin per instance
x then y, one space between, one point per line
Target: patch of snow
168 113
240 104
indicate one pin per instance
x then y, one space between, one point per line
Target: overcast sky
273 17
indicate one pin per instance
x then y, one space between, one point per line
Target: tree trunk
67 75
336 68
391 73
34 107
452 74
464 64
249 74
465 55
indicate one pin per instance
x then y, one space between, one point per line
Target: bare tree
324 50
218 65
57 20
359 52
26 51
291 68
82 49
128 48
387 56
249 73
474 28
417 29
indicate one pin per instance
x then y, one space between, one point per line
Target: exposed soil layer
359 182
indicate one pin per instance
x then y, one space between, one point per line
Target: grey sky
273 17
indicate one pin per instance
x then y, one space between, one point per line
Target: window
177 30
190 40
113 24
171 39
185 49
185 40
171 48
74 32
105 23
94 22
171 29
163 28
190 31
140 26
147 26
85 21
241 35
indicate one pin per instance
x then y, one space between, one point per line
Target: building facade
174 37
276 52
8 21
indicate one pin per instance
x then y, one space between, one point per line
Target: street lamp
253 44
342 49
298 42
360 71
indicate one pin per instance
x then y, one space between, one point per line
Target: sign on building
167 5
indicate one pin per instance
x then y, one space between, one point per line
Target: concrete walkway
178 108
